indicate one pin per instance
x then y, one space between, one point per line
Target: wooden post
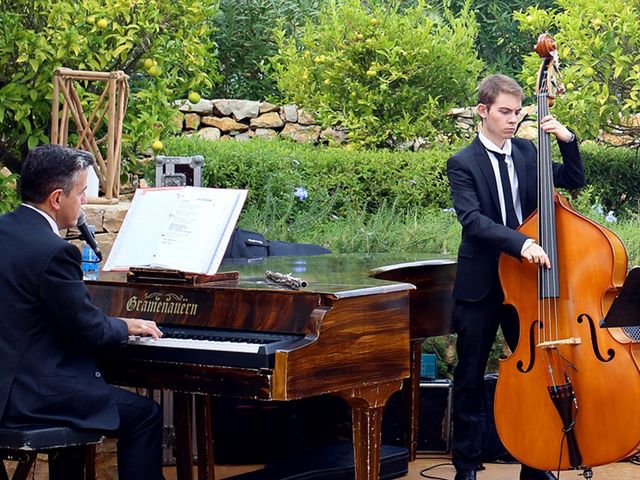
106 150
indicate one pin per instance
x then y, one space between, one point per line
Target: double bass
567 397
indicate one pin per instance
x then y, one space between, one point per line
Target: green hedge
364 179
614 173
351 180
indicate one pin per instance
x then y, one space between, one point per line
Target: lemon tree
163 45
387 72
599 47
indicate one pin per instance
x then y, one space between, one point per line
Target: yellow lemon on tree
157 146
148 63
91 20
102 24
154 71
194 97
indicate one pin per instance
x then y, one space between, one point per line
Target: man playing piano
50 328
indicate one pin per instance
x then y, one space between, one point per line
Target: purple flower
300 193
598 208
611 218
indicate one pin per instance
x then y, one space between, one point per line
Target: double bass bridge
563 341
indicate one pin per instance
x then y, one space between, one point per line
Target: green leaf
32 142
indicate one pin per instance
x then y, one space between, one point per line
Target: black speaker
434 425
434 421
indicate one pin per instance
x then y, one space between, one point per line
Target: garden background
387 73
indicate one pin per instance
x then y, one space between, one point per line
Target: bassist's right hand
536 254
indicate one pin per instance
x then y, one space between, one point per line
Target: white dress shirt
513 177
513 180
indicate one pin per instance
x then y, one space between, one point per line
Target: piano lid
343 275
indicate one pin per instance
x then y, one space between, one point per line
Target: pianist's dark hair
49 167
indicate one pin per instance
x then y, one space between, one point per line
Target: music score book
181 228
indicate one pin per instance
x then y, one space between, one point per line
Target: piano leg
411 399
182 417
183 420
204 437
367 404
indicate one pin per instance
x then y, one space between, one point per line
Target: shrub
380 201
501 44
386 73
354 180
614 174
244 35
8 194
40 35
599 42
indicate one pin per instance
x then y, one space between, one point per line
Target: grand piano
343 333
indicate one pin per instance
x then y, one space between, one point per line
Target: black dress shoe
528 473
465 475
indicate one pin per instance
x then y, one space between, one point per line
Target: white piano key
194 344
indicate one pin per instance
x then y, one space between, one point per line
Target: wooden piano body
359 338
353 342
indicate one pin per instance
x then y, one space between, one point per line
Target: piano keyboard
191 344
210 347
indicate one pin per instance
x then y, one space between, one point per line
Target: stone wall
242 120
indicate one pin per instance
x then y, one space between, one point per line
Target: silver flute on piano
285 279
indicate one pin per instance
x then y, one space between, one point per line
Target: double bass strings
547 278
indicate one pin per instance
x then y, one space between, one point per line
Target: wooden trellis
112 104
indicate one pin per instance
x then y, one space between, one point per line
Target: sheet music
184 228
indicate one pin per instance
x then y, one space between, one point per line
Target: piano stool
330 462
23 445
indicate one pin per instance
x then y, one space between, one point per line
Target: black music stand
625 308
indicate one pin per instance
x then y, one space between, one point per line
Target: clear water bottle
90 262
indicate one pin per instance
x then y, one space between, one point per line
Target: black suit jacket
475 198
50 331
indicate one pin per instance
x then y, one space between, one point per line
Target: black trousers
139 442
139 437
476 324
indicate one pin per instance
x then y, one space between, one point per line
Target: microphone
87 235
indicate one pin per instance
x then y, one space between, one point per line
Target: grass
388 229
384 231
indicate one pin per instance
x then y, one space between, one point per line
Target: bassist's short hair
494 85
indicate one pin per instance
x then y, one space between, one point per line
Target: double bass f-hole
532 348
594 339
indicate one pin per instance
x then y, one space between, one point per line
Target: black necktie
512 218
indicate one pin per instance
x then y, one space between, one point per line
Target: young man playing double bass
494 188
